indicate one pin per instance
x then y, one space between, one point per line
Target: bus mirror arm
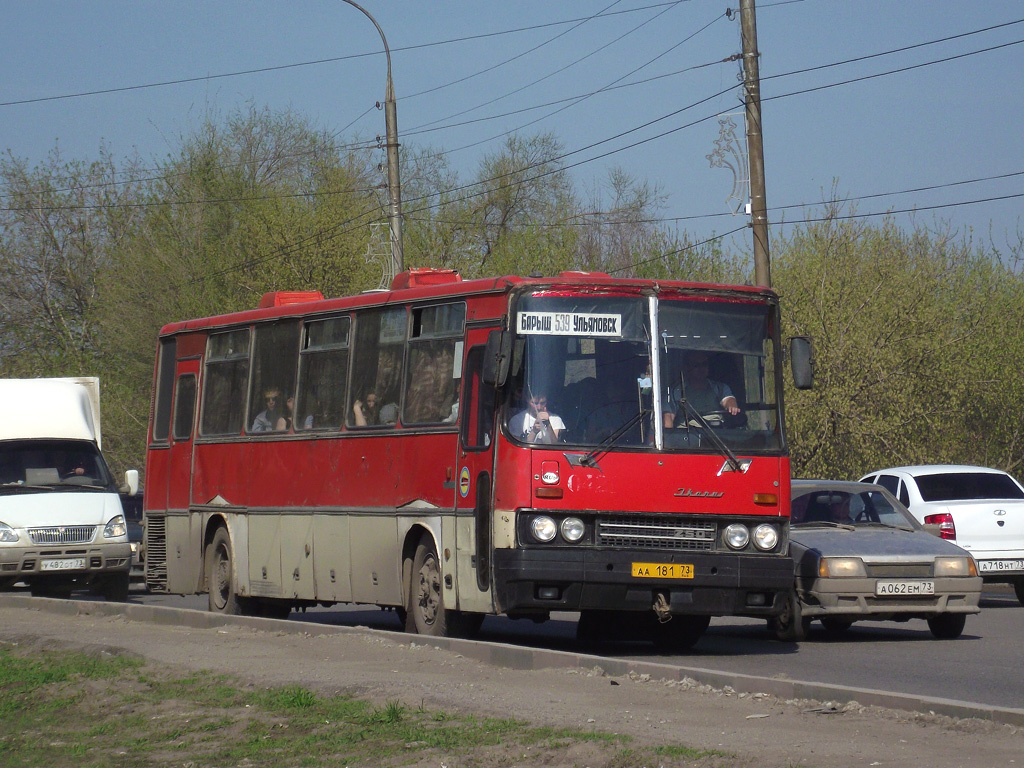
497 356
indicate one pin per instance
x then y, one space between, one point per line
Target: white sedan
980 509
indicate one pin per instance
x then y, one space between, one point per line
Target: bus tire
114 587
681 633
790 626
220 576
425 614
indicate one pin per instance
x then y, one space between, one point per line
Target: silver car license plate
904 588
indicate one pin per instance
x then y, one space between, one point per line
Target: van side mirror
801 360
497 357
131 482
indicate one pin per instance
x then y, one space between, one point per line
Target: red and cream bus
373 450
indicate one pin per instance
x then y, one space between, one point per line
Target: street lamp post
391 143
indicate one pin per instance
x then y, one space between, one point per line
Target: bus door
474 494
182 426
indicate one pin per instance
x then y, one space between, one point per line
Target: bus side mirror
801 360
497 356
131 482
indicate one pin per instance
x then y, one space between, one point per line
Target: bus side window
435 364
323 374
224 385
377 366
273 371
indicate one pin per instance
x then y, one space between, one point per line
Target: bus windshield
585 373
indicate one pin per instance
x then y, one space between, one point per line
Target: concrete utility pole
391 144
755 147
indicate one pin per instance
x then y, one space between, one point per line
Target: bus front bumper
722 584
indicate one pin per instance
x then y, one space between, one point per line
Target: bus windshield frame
589 358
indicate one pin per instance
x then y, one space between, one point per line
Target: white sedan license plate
64 564
991 566
662 570
901 588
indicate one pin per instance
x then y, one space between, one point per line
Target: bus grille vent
656 532
156 554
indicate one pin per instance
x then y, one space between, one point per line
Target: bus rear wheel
220 575
425 614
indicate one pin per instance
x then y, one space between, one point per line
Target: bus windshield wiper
590 458
718 442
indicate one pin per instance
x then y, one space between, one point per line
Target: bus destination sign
569 324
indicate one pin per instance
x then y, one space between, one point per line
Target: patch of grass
63 708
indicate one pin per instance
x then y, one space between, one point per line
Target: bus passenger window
273 377
323 374
435 364
224 386
377 370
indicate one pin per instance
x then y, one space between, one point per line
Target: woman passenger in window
272 418
364 412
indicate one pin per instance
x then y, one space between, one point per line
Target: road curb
518 657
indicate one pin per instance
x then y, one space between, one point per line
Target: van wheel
114 587
220 575
425 614
947 626
1018 587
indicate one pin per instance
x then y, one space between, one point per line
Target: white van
61 522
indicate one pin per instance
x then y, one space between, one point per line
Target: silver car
980 509
859 554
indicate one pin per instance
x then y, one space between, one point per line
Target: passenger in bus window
364 411
535 424
273 417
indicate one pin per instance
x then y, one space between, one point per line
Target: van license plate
64 564
662 570
898 588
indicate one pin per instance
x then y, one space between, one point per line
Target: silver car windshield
856 508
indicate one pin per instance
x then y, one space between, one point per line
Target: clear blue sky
474 70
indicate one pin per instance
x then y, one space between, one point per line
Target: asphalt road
982 666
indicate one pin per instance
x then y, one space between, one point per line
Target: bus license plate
64 564
662 570
899 588
989 566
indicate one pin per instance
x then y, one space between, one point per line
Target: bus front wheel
220 575
425 614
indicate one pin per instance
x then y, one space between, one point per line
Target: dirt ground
755 729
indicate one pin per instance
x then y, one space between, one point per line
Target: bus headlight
765 537
543 528
116 527
737 536
572 529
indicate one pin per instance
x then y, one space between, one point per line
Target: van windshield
52 464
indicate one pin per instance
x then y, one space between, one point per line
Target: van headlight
115 527
7 534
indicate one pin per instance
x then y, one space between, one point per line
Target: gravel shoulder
756 728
